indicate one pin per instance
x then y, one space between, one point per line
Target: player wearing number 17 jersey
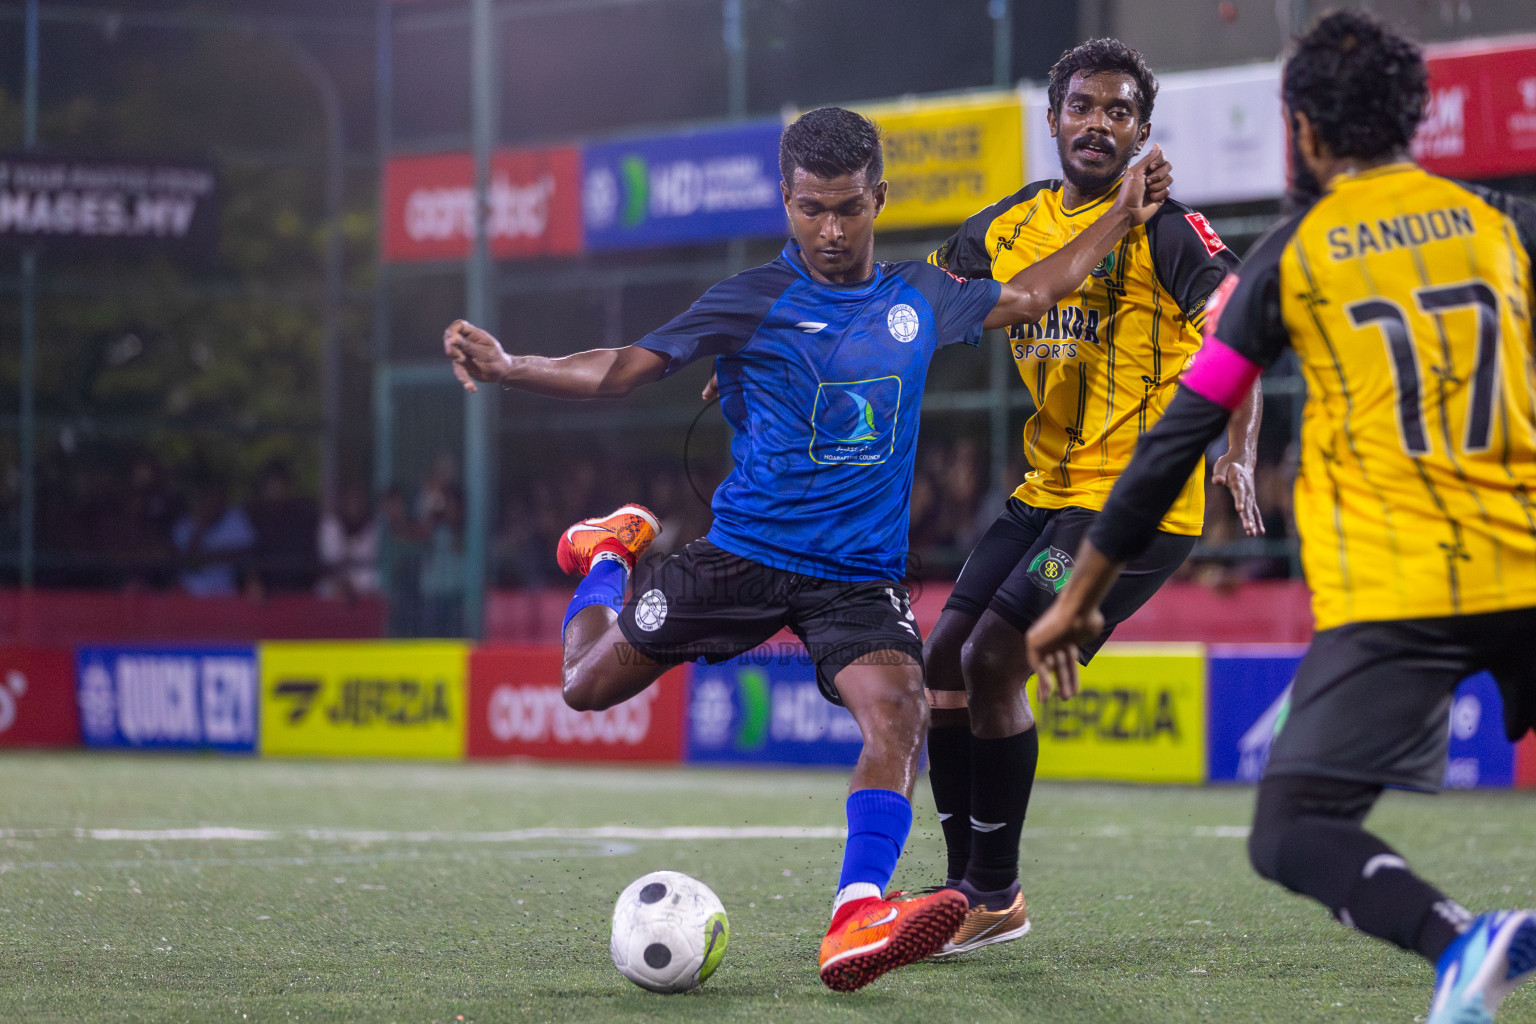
1407 299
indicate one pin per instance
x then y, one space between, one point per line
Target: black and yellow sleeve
1521 211
1246 311
1189 258
968 252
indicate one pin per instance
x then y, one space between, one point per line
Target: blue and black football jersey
822 385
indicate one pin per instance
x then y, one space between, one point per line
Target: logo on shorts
904 609
903 323
1051 569
651 610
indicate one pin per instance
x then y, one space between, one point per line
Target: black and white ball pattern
662 931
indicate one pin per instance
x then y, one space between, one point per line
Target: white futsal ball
669 932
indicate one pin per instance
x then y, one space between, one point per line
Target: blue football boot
1483 966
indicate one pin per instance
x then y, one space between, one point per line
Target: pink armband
1221 374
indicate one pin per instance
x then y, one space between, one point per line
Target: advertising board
1481 118
516 710
168 697
946 159
682 187
393 698
1139 717
765 708
535 205
37 698
115 205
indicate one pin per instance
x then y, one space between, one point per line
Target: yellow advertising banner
1139 717
946 159
364 699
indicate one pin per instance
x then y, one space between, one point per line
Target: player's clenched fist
476 354
1146 185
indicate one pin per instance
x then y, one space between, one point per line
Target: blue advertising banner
764 708
1481 755
684 187
1250 685
179 698
1246 689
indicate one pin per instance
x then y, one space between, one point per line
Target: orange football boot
881 935
626 532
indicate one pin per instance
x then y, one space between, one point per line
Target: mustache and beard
1092 181
1304 188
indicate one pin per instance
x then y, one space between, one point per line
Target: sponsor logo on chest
1057 335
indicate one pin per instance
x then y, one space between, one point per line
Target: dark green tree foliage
209 365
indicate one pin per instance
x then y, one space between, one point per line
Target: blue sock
878 823
603 584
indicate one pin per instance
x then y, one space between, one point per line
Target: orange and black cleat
881 935
626 532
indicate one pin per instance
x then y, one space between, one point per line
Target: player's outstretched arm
597 373
1234 470
1027 296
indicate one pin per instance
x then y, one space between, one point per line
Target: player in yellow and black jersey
1408 300
1101 366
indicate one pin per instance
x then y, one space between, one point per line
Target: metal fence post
480 302
27 433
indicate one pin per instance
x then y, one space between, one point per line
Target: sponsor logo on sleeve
1218 302
1208 236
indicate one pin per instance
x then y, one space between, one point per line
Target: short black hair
1096 57
830 142
1361 85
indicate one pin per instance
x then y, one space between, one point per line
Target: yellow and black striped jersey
1408 300
1102 365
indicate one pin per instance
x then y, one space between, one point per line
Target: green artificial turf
1143 904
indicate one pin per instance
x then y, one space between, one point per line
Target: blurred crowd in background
129 523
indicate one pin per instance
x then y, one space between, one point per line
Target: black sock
1297 842
1386 899
1002 775
949 773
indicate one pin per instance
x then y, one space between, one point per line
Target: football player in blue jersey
821 357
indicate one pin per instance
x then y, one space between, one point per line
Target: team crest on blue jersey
855 421
903 322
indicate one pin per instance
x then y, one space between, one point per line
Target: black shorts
1025 557
1371 701
704 602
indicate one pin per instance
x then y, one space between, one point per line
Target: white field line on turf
676 832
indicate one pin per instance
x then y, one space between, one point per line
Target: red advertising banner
516 710
1481 120
535 205
1525 762
37 698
